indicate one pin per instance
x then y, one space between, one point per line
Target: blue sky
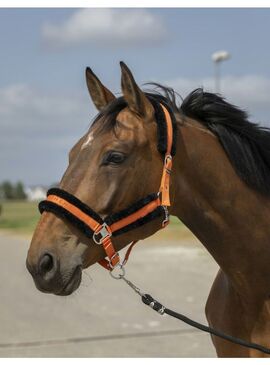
44 105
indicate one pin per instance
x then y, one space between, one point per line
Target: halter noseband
67 206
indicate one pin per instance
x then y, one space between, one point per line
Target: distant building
35 193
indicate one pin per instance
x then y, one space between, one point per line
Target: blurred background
45 108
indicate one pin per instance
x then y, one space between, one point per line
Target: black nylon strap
158 307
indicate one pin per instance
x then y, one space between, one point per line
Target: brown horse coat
217 190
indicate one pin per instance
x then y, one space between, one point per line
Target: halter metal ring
119 275
104 232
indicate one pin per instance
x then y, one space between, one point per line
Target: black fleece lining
65 214
75 201
159 211
162 126
84 228
110 219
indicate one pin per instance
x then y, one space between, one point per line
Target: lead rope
161 309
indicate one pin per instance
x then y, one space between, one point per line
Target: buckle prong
167 216
167 160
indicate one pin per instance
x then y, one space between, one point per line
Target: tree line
12 191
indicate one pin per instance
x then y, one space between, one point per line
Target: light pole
217 58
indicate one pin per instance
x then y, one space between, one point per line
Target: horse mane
246 144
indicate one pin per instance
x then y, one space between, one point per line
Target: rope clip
120 274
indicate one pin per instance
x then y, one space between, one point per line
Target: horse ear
134 96
100 95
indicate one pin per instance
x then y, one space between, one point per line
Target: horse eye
114 158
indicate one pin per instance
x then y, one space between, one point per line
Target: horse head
115 164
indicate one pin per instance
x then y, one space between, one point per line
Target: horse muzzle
49 277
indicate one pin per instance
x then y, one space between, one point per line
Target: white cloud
106 27
250 92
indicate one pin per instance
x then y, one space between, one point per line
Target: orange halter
68 206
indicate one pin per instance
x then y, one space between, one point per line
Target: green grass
19 216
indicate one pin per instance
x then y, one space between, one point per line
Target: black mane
246 144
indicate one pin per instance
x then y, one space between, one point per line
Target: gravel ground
105 318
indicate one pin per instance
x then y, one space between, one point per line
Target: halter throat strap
70 208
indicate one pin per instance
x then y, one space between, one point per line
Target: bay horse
220 187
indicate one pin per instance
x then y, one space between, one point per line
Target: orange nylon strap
150 207
113 256
164 190
94 225
167 167
106 263
135 216
169 129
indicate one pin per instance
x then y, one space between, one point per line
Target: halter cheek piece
67 206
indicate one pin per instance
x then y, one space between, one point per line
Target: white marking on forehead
88 141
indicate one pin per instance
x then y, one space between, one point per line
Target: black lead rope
158 307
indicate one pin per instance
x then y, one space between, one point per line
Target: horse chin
62 287
72 284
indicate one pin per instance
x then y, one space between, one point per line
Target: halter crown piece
67 206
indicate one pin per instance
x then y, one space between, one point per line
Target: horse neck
228 218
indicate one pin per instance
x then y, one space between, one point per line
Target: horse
219 188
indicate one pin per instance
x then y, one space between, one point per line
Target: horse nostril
46 264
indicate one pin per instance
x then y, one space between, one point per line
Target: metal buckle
167 216
160 311
166 160
104 232
110 261
167 157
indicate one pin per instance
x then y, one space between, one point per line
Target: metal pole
217 77
218 57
